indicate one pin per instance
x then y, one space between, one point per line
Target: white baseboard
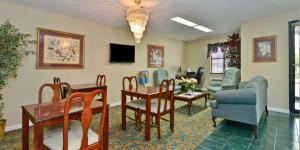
15 127
19 126
281 110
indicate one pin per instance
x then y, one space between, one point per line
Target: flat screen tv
122 53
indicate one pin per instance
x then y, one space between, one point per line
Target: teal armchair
231 79
245 104
160 75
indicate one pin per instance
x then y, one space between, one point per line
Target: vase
190 92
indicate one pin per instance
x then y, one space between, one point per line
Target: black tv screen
122 53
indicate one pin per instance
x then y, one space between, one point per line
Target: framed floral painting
59 50
264 49
155 56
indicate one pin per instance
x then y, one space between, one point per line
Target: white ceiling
223 16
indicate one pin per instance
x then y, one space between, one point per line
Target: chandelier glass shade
137 18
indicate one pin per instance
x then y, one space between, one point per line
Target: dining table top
144 90
84 86
51 110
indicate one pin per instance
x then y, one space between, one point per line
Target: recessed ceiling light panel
184 21
204 29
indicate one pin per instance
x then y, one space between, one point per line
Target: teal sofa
245 104
160 75
231 79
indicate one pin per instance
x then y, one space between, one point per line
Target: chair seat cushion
137 103
53 137
154 105
214 88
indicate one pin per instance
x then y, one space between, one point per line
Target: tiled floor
276 131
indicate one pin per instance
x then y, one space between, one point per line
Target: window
217 62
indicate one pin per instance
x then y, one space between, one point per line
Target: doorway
294 66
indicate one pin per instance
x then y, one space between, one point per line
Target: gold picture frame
59 50
264 49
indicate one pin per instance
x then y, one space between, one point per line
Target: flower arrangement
188 84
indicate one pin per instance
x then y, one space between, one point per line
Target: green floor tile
218 138
200 147
292 146
261 147
226 147
238 142
211 144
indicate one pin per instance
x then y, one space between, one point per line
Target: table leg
106 127
172 114
123 111
25 131
38 136
205 100
147 125
189 107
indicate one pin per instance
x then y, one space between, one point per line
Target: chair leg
214 121
138 118
255 132
157 119
266 108
153 122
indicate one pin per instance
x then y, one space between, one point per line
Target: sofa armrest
240 96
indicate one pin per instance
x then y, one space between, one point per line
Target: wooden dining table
52 113
147 93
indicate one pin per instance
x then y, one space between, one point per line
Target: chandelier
137 18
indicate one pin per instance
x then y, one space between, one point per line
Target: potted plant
13 45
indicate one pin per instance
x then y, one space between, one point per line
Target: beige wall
277 73
23 90
196 55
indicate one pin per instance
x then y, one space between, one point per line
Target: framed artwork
59 50
264 49
155 56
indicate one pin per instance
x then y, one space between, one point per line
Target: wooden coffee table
190 98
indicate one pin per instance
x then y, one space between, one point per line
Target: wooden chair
101 80
57 92
63 90
162 105
77 134
135 103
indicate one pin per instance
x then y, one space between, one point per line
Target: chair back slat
164 97
57 92
101 80
56 80
86 118
131 80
